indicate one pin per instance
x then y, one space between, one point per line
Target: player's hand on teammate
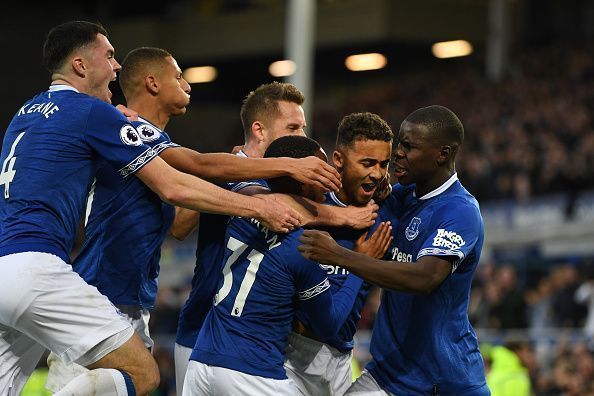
277 216
318 246
236 149
361 217
377 244
130 114
314 171
383 189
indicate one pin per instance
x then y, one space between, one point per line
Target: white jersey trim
138 162
315 290
441 188
61 87
337 201
433 251
163 145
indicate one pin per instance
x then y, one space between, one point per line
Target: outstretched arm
191 192
228 167
314 213
186 220
421 277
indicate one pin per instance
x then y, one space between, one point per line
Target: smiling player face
362 166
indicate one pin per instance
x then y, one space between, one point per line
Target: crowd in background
530 133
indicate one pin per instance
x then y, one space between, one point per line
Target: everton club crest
412 230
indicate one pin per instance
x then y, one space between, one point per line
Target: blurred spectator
506 367
585 295
508 307
567 311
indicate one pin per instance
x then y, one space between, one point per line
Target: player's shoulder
238 186
460 208
149 132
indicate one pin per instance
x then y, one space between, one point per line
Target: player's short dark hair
293 147
67 37
263 102
365 126
441 123
135 62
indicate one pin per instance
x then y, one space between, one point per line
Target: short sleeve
310 278
153 136
111 136
457 228
238 186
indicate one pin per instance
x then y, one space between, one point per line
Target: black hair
440 122
133 65
293 147
366 126
65 38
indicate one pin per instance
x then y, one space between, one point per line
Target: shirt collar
335 199
441 188
61 87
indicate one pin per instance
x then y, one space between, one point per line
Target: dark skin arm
223 167
421 277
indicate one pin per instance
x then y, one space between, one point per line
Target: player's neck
59 79
434 183
252 150
343 197
151 113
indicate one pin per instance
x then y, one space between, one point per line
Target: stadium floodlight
362 62
451 49
201 74
282 68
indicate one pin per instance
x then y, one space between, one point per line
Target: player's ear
338 159
151 84
258 131
445 153
78 66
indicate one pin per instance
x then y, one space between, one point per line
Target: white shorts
182 359
203 380
60 373
45 305
317 368
366 386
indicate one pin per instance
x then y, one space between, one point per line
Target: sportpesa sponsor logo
448 239
401 256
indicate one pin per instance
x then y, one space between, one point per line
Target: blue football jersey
263 277
125 226
346 237
425 344
49 158
209 253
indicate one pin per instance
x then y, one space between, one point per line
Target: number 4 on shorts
8 171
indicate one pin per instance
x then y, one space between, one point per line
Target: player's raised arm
191 192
